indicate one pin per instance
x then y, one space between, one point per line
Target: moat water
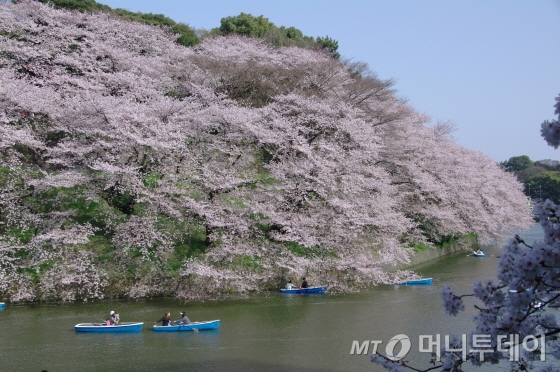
265 332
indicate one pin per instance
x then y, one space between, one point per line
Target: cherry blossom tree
134 166
511 314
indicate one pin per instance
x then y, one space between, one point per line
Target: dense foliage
541 178
243 24
544 185
133 166
260 27
185 34
517 163
246 25
81 5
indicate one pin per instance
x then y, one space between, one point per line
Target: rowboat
424 281
304 290
102 327
474 254
2 304
199 326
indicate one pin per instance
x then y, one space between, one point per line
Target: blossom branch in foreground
529 284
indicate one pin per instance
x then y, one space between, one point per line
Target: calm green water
271 332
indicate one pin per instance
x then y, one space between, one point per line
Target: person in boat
165 319
304 283
184 319
112 319
478 252
289 285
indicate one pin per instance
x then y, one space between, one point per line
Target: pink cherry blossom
120 148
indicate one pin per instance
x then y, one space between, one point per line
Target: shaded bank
338 279
466 243
158 284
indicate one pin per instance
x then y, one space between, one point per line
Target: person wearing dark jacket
304 283
184 319
165 320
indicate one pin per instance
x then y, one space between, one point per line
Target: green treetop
517 163
245 24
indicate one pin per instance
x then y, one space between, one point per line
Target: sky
492 67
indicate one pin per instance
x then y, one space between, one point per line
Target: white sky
490 66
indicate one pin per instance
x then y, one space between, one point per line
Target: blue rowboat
198 326
424 281
304 290
101 327
474 254
2 305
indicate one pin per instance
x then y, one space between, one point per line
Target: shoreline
468 243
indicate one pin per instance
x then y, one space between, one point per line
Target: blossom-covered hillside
133 166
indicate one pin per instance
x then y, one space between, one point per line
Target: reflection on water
270 332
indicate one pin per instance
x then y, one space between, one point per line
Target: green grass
248 262
420 247
449 240
309 252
